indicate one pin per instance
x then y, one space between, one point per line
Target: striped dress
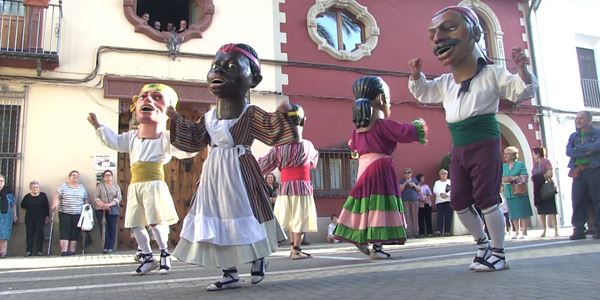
231 220
373 212
295 206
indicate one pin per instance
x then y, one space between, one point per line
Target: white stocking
495 224
161 235
143 239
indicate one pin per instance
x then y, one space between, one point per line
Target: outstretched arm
425 91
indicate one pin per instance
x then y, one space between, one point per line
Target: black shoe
577 236
40 253
71 253
28 253
65 253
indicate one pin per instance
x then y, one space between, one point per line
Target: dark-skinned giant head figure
446 35
370 92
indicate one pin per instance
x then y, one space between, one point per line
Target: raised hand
521 61
519 58
415 65
171 112
93 120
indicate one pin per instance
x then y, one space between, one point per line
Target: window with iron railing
10 123
335 174
591 93
589 77
29 30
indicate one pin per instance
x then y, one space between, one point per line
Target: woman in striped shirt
69 199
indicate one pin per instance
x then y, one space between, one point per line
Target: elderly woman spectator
108 197
542 172
441 190
69 199
514 173
425 204
8 215
37 211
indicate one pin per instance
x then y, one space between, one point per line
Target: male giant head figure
454 33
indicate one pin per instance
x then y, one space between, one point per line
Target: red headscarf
233 47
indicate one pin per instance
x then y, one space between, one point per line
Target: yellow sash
147 171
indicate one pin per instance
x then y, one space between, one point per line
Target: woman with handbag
514 179
541 175
108 197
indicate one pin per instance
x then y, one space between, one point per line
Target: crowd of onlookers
68 200
157 25
418 200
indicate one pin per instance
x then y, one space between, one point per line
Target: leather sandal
378 253
229 281
299 254
496 262
258 276
483 244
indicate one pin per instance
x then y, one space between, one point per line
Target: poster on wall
102 163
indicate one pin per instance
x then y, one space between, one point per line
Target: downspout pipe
533 6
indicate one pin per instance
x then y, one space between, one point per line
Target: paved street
429 268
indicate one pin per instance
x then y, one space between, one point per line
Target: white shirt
439 187
485 91
145 150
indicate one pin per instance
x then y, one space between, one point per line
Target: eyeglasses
407 172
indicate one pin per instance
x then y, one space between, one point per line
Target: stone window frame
495 35
206 10
360 12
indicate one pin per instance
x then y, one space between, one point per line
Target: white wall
58 137
558 27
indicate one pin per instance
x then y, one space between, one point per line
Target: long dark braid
365 90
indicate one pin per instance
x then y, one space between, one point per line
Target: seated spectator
37 212
170 27
331 229
146 17
157 25
182 26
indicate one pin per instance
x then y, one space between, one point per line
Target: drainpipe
535 4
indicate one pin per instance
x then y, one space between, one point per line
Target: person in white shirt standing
441 190
470 96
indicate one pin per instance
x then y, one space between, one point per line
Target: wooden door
181 176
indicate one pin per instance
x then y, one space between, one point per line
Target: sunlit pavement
425 268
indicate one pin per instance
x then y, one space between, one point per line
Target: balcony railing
591 93
30 31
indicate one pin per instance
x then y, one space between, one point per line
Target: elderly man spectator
584 150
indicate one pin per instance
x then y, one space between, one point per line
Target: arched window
343 29
492 38
484 41
340 29
145 14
